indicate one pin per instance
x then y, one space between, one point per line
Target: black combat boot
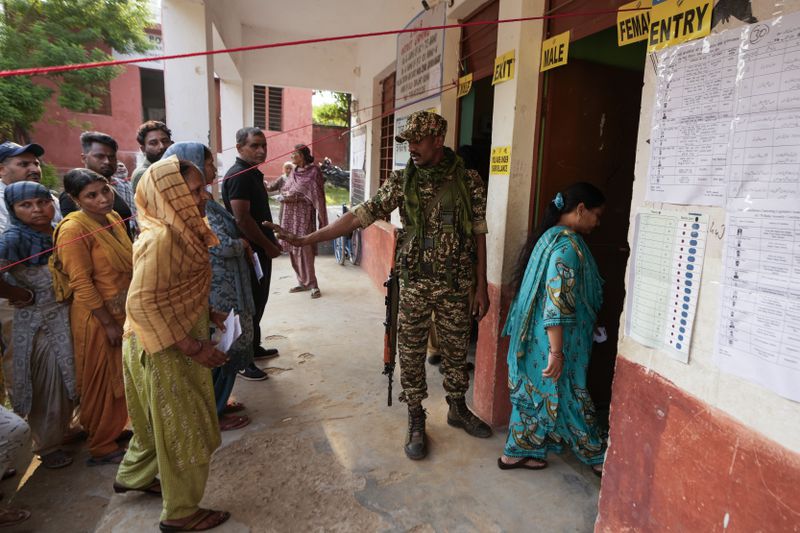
460 416
416 444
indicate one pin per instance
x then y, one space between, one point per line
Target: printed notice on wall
504 67
692 116
764 154
464 85
667 265
758 335
501 160
419 57
726 120
555 51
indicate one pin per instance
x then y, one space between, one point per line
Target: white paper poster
765 148
758 336
692 116
726 118
419 73
666 269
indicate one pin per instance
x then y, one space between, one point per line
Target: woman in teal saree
551 325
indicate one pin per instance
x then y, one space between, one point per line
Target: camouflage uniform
443 280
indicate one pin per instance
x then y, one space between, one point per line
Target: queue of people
115 304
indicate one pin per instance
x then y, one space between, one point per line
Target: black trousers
260 295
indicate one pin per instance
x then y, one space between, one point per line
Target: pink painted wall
296 114
59 130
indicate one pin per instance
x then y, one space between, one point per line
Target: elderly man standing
100 155
441 264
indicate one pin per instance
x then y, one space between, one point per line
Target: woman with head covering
230 285
43 387
303 200
167 351
91 268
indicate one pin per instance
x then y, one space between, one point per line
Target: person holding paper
167 352
551 325
230 284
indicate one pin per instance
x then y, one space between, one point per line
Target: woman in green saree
551 324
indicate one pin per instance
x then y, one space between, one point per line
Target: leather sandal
193 523
153 488
300 288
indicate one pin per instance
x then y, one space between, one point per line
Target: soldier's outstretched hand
281 233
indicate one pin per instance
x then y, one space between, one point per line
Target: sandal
193 523
153 488
522 463
233 407
12 517
231 422
315 293
598 470
55 460
300 288
113 458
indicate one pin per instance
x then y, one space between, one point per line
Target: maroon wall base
490 395
677 464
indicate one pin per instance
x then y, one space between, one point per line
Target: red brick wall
59 130
297 117
333 142
677 464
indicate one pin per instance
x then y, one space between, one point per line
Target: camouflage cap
421 124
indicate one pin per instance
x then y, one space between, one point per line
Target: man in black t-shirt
246 198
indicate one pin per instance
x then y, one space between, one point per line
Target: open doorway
589 126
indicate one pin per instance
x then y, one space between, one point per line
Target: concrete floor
324 452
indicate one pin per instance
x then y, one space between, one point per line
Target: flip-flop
315 293
153 488
232 422
299 288
598 473
522 463
12 517
193 524
113 458
56 459
233 407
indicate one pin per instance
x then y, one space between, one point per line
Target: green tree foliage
41 33
336 113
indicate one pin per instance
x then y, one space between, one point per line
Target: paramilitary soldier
441 264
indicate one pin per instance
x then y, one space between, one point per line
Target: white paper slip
257 266
233 329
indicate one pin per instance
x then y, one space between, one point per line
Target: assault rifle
390 331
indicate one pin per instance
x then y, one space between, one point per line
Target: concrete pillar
232 107
515 104
189 83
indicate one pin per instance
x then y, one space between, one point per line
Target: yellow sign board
555 51
464 85
634 25
503 68
501 160
677 21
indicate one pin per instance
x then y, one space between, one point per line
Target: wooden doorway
588 132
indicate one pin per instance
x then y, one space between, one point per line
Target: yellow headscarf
171 268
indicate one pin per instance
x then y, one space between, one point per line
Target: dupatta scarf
172 269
